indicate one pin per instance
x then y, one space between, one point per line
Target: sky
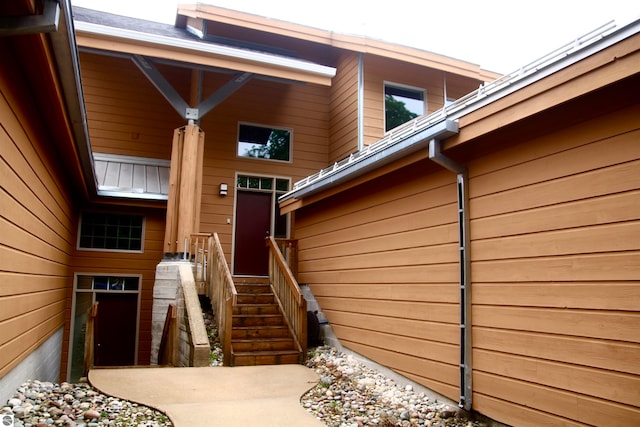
498 35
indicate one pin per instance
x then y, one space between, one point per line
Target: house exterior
492 252
487 250
92 106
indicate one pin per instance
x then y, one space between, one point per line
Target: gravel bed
44 404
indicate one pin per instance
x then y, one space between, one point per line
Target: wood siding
115 263
383 266
379 71
36 213
344 109
555 228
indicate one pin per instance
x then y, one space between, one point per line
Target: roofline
354 43
424 128
66 54
318 73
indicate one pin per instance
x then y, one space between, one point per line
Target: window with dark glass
111 231
261 142
401 104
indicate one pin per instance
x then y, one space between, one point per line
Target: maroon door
253 222
115 329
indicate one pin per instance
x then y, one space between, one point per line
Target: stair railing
199 249
288 293
222 294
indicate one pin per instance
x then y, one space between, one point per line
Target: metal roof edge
129 194
382 151
208 48
147 161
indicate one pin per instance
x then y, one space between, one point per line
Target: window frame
401 86
258 125
128 251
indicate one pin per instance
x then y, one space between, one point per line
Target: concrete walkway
266 396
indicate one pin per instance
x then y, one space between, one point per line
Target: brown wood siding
382 262
344 109
379 71
555 267
36 219
126 115
114 263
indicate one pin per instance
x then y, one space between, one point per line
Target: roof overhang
95 36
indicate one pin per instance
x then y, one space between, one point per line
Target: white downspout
436 155
360 101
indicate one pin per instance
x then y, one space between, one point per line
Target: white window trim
386 83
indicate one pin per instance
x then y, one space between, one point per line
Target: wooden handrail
289 295
222 294
89 339
168 343
200 253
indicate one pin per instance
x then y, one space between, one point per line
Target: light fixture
223 189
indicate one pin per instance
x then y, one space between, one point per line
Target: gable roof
415 134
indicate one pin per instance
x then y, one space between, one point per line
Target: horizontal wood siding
382 262
128 116
36 221
555 228
344 108
379 71
126 263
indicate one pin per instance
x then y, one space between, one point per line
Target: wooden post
89 339
185 187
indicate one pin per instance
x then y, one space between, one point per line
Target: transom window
401 104
106 231
261 142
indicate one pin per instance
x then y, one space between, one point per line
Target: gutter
209 48
435 154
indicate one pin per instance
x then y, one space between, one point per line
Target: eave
120 40
341 41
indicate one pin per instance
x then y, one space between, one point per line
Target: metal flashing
132 177
46 22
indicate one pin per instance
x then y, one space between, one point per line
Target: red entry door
253 223
115 329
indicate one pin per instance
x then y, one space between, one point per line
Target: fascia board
304 70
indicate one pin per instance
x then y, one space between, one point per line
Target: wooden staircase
260 333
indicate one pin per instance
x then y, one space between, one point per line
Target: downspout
435 154
360 101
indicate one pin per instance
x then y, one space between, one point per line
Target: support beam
223 93
164 87
46 22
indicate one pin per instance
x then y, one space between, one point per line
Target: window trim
387 83
290 130
127 251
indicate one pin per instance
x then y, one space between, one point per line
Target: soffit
170 43
336 40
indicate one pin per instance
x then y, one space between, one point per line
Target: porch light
223 189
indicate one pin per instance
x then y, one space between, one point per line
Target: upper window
264 142
401 104
107 231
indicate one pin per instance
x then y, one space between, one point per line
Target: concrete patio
266 396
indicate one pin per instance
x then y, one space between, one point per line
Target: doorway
257 216
116 323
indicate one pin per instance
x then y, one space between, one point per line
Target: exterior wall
37 219
382 261
344 109
555 229
379 71
114 263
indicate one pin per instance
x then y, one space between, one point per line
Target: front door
115 329
253 225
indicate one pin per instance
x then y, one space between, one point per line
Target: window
261 142
401 104
104 231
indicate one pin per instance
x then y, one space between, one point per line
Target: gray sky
499 35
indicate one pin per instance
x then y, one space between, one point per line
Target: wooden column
185 187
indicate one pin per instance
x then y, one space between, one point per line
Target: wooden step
257 320
253 288
263 344
266 298
259 332
266 358
251 309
